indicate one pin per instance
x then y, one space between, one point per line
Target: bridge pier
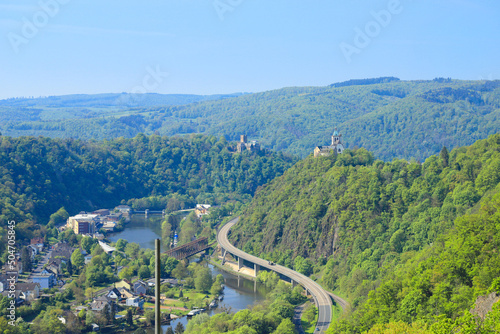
255 286
240 263
146 213
294 284
223 252
256 269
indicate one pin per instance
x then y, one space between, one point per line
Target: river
239 292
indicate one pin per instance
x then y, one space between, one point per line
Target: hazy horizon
62 47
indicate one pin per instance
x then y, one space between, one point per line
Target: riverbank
230 268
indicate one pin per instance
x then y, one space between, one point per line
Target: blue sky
56 47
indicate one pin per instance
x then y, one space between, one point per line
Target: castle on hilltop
243 145
335 148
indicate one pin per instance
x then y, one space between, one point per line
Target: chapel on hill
335 148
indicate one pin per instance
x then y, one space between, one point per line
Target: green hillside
40 175
116 100
389 117
425 236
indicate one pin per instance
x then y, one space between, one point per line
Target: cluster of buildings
202 209
123 293
47 278
23 291
244 145
89 223
59 257
335 148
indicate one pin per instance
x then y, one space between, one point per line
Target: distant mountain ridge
388 116
112 100
372 81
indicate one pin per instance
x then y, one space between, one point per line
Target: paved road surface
321 297
297 315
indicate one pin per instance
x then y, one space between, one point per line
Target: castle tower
335 148
336 137
244 145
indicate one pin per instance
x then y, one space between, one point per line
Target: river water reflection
140 230
239 292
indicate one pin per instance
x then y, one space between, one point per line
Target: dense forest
403 241
109 101
387 116
40 175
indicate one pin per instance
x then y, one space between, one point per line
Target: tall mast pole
157 288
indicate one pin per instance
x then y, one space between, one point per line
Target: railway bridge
191 248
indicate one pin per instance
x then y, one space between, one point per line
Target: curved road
321 297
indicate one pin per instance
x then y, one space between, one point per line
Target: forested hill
116 101
392 118
40 175
414 231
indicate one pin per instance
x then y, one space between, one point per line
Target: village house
152 281
125 293
135 301
171 281
140 287
125 210
55 265
63 251
109 226
100 302
114 294
87 258
28 291
32 251
124 283
201 209
98 236
46 279
38 243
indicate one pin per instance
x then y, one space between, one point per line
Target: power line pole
157 288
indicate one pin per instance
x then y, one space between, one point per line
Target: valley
389 244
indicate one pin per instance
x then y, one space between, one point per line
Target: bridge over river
191 248
321 297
